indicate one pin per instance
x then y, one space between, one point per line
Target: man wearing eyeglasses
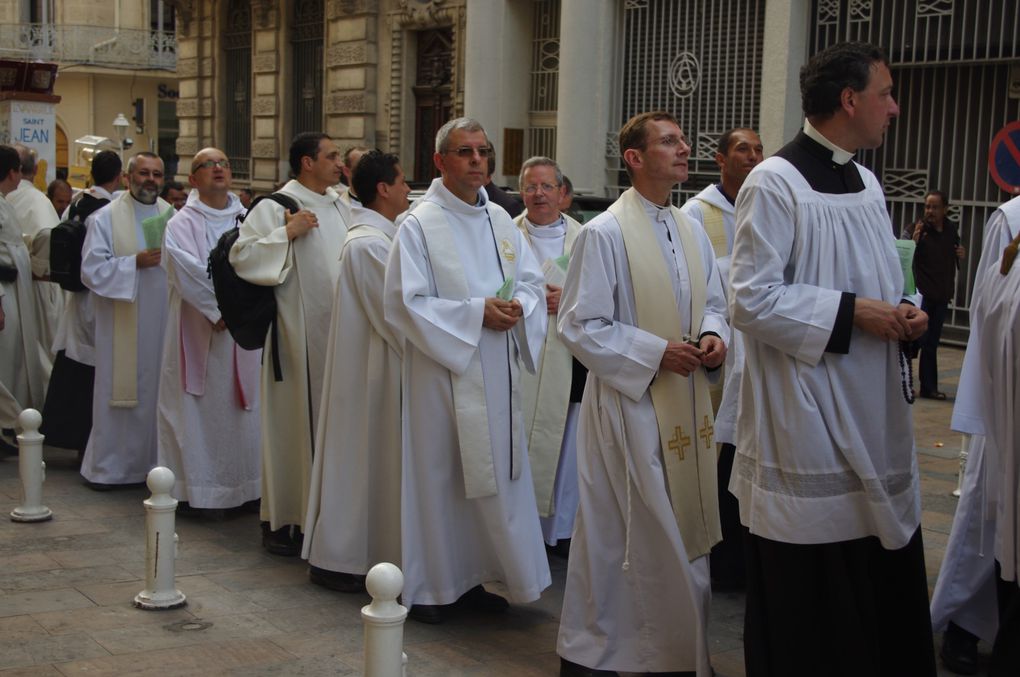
466 293
643 308
299 256
551 398
207 416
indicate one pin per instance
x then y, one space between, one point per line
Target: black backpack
248 310
66 240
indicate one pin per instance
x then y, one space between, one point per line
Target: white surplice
304 273
122 445
353 519
824 441
37 217
726 417
965 590
451 543
209 440
997 318
653 615
23 369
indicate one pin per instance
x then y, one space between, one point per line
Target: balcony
129 48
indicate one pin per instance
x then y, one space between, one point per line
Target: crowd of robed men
455 386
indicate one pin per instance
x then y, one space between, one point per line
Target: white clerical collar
100 192
654 211
442 195
555 229
839 156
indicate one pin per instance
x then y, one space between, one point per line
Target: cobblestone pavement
66 590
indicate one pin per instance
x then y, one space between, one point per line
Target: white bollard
160 544
384 622
32 469
964 453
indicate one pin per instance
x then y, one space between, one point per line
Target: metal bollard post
964 453
160 545
32 470
384 622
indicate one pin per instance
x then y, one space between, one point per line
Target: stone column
497 68
785 50
587 48
196 45
352 61
268 144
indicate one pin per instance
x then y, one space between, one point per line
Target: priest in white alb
466 293
738 151
963 603
643 309
299 256
208 411
37 217
22 366
996 295
552 396
121 265
353 519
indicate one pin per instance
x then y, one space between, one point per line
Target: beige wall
90 102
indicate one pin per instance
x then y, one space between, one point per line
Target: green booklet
506 292
153 228
905 248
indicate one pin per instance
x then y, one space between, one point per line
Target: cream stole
125 313
682 405
546 397
712 217
470 409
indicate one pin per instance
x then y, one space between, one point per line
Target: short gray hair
464 124
133 160
28 158
539 161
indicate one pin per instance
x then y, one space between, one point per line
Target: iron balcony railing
90 45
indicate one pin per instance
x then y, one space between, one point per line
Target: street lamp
120 127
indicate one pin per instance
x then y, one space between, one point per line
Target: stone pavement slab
66 590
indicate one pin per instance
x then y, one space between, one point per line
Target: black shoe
253 507
99 486
480 599
285 541
433 614
336 580
561 549
959 650
569 669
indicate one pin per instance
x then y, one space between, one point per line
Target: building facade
114 57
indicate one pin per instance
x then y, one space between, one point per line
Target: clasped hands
683 358
903 322
501 315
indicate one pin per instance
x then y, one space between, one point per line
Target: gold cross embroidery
706 433
679 443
